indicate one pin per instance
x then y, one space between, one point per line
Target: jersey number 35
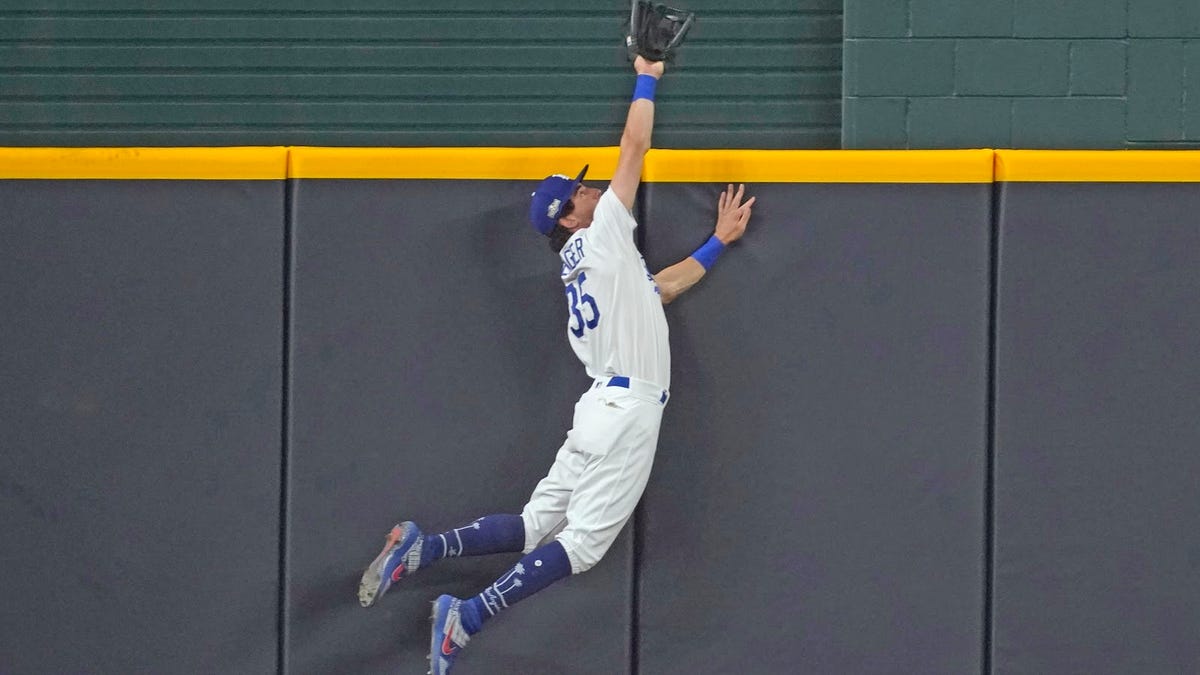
577 301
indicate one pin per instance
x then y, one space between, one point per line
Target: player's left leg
607 490
497 533
407 550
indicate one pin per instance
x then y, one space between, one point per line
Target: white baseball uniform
616 325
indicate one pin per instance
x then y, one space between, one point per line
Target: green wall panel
898 67
1071 18
977 18
1026 74
1012 68
875 121
1164 18
367 72
1098 67
876 18
960 121
1156 71
1067 122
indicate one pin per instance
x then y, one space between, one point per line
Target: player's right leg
401 556
407 550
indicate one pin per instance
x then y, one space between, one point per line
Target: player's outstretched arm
635 141
732 216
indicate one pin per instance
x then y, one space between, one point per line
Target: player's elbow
635 140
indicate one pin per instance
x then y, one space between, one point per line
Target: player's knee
583 558
581 561
540 531
530 530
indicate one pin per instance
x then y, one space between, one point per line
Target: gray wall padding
817 500
1097 566
432 381
140 426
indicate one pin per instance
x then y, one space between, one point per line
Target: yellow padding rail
250 163
688 166
664 166
819 166
451 163
1098 166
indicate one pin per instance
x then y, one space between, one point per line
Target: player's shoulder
611 204
611 214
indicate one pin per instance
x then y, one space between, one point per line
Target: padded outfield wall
896 423
428 343
1097 397
140 405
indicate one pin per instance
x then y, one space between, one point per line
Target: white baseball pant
599 473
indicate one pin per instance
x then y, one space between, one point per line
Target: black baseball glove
656 30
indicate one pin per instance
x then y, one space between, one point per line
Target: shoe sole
435 645
373 578
432 635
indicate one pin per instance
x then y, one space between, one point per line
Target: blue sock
537 570
504 533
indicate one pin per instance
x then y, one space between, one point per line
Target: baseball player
616 325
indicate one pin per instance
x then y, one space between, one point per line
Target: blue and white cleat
448 636
401 556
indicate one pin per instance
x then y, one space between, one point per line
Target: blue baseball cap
548 200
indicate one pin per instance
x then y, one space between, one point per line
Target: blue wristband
707 254
645 87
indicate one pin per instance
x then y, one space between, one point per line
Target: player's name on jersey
572 255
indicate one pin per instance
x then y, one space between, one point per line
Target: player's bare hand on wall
645 67
733 214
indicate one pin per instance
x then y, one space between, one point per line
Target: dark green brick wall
762 74
767 74
1022 73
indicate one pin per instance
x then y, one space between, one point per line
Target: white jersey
615 319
